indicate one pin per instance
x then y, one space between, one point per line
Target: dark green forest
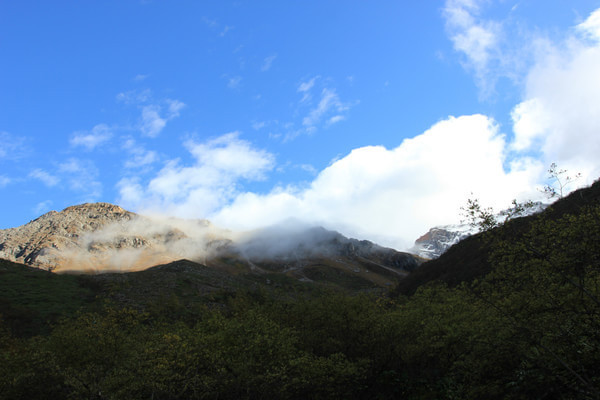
511 313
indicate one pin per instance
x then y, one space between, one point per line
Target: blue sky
377 119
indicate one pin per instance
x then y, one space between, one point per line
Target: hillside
101 237
469 259
513 314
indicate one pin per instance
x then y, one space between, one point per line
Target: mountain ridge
102 237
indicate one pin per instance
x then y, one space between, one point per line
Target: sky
376 119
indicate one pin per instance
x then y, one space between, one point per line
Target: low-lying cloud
393 195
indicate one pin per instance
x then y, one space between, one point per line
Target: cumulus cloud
559 117
590 28
394 195
196 190
99 134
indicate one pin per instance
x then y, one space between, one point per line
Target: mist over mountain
101 237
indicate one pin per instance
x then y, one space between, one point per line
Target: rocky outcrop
439 239
97 236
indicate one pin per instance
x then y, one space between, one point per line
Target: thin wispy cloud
134 96
12 147
139 157
226 29
152 122
141 77
89 140
45 177
42 207
268 62
258 125
82 177
152 119
4 181
476 38
234 82
305 88
329 103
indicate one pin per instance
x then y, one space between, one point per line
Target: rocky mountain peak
99 237
87 235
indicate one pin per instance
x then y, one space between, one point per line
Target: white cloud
335 118
198 189
135 96
99 134
175 106
330 102
559 117
140 157
477 39
590 28
152 122
305 88
393 196
45 177
258 125
268 62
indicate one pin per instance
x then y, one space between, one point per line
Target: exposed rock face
439 239
94 237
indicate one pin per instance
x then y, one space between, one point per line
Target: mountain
102 237
440 238
468 259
